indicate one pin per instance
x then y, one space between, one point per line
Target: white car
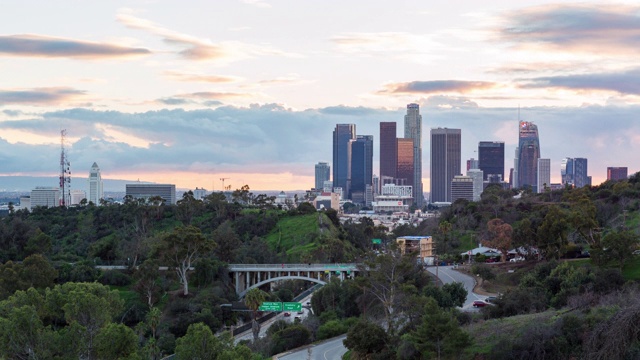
517 259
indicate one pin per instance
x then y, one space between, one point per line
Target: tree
552 233
253 299
37 272
618 246
23 336
199 343
445 228
499 236
38 243
116 341
366 338
439 335
181 248
227 242
188 207
147 284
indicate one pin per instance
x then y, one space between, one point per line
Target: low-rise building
424 246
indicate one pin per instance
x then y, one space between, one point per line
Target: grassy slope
291 234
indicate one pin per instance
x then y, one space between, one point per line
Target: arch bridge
248 276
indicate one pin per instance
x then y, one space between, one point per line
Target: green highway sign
292 306
270 306
376 241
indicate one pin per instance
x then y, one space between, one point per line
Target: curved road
447 275
328 350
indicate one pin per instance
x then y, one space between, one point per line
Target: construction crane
223 179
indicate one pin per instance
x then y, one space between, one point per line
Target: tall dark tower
388 150
342 135
413 130
361 167
446 149
491 158
406 168
529 153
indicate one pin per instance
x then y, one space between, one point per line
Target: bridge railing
347 266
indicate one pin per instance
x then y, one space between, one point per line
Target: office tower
388 150
529 145
574 172
616 173
406 168
145 191
45 197
413 130
544 175
322 174
327 186
461 188
478 182
514 183
95 185
445 162
361 166
511 178
342 135
376 185
491 158
472 164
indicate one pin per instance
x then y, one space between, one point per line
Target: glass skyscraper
342 135
413 130
388 150
491 158
529 153
573 171
406 168
361 166
446 145
322 174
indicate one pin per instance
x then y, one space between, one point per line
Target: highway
447 275
329 350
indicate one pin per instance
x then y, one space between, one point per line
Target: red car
480 303
287 314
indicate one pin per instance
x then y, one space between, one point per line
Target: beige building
423 245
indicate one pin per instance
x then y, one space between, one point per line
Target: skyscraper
616 173
413 130
491 158
544 175
323 171
478 183
95 185
406 168
529 153
445 162
388 149
342 135
361 166
573 171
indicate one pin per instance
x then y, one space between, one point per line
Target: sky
251 90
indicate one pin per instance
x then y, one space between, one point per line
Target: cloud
190 77
398 45
624 82
257 3
436 86
46 46
347 110
40 96
591 28
12 113
195 48
173 101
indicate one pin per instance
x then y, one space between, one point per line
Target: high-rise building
413 130
405 163
514 174
45 197
77 196
461 188
95 185
445 162
388 149
617 173
472 164
145 191
323 171
478 182
342 135
573 171
529 145
361 166
491 158
544 175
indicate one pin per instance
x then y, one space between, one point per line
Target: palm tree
253 299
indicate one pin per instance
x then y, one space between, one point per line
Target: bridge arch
280 278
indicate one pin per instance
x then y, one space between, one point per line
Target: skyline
251 90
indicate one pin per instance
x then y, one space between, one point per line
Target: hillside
300 235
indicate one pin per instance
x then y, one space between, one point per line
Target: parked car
491 299
517 259
493 260
300 312
480 303
286 313
636 252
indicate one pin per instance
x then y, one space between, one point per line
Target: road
329 350
447 275
248 335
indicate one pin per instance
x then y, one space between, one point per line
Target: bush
114 278
331 329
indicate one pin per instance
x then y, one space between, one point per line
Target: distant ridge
28 183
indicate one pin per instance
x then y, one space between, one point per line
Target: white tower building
95 185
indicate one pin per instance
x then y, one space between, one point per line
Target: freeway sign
376 241
292 306
270 306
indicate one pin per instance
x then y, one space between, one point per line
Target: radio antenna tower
65 172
